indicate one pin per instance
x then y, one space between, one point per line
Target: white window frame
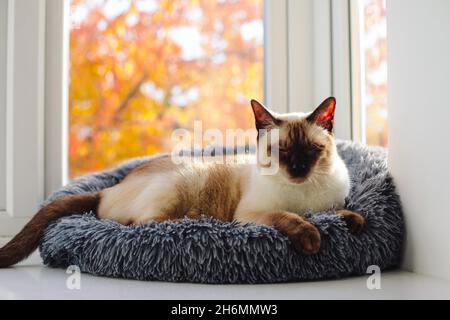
297 54
358 71
341 67
307 59
24 121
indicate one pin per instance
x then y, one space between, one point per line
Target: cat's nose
299 167
296 166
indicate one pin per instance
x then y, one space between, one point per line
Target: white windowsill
31 280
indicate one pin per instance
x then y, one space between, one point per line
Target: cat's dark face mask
304 140
298 158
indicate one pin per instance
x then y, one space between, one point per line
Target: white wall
3 32
419 116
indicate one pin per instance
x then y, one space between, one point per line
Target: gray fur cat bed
208 251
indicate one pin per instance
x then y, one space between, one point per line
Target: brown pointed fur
24 243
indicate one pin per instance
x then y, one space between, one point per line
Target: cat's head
306 144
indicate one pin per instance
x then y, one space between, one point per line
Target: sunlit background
374 43
141 68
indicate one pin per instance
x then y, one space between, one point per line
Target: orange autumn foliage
141 68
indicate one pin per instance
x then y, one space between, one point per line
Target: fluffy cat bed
208 251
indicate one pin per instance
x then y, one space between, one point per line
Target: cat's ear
263 118
323 116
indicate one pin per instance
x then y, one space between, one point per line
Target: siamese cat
311 177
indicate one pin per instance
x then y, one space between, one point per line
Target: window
373 44
141 68
134 78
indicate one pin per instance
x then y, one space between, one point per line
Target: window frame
357 71
341 57
24 121
3 37
313 42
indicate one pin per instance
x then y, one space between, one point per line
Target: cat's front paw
355 222
306 238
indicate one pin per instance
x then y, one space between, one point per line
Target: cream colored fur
145 196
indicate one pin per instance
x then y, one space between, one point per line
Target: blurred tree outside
375 48
141 68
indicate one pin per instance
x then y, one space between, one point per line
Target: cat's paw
306 238
355 222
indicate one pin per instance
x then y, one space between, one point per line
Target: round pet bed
209 251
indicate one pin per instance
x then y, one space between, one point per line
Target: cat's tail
24 243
